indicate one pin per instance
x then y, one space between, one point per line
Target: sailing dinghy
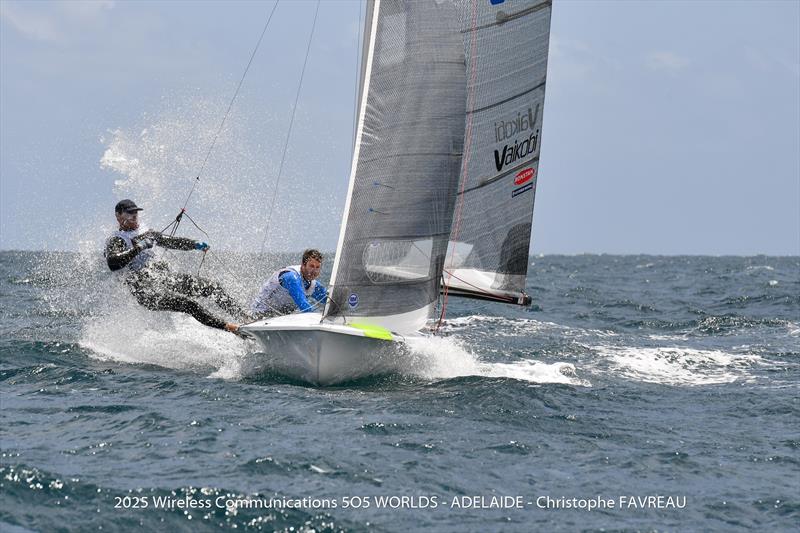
442 184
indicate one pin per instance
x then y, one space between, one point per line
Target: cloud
37 26
579 60
88 10
53 21
665 61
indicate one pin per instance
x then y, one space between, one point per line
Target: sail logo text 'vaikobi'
506 129
518 151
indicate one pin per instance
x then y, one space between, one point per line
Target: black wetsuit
158 289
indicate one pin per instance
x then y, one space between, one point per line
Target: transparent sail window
398 260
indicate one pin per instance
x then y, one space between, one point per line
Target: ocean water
638 393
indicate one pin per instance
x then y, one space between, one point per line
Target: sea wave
678 365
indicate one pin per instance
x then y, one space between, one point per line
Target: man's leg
195 286
181 304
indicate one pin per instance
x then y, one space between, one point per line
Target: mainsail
406 165
506 44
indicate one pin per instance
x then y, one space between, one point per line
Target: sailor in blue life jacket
290 288
130 251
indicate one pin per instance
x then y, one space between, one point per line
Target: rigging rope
289 134
467 149
359 46
182 212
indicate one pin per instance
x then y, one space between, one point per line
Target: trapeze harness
138 262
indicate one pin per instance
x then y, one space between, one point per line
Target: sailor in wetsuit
151 282
289 288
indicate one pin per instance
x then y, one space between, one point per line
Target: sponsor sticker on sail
521 190
524 176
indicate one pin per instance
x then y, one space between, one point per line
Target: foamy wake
495 326
670 365
432 358
446 357
499 326
678 365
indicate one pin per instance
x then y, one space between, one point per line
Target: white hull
323 353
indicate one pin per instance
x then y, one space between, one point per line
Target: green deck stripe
374 332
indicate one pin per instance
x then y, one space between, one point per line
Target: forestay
406 165
506 45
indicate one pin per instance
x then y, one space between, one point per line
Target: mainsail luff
370 28
490 238
405 170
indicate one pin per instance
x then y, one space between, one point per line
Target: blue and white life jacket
275 299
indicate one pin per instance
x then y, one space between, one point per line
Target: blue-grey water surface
631 376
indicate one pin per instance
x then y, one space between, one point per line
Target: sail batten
538 86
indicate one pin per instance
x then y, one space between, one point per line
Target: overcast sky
669 127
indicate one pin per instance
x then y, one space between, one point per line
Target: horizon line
331 253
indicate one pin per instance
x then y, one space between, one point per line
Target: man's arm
291 282
117 256
173 243
167 241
